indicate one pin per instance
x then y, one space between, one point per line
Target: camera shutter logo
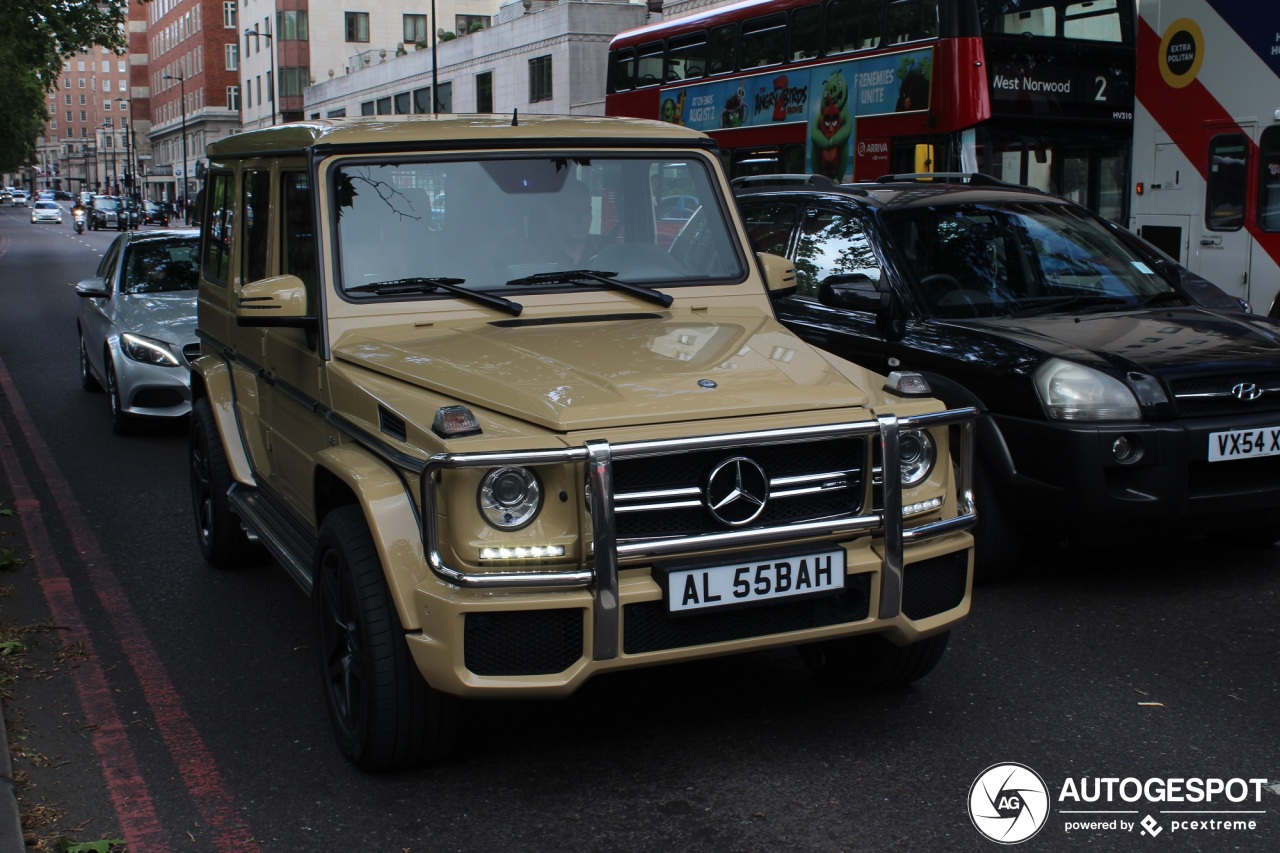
1009 803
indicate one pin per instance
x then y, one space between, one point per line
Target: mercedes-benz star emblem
736 491
1246 392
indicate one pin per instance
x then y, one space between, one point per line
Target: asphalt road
179 708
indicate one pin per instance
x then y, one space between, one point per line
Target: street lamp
182 91
271 45
130 169
114 183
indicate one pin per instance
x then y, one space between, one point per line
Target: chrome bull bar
597 456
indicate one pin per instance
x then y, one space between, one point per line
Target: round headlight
915 456
509 498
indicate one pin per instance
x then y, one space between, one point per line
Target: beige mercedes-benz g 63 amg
506 396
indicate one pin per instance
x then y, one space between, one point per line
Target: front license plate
711 587
1244 443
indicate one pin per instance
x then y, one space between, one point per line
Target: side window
852 25
1227 183
722 42
912 20
108 263
831 243
763 41
216 259
769 226
297 236
806 32
1269 180
256 204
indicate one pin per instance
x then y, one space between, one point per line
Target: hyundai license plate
1244 443
712 587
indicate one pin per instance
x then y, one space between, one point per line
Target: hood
1161 342
570 374
168 317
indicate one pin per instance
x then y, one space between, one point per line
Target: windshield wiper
1157 298
1067 303
597 277
403 286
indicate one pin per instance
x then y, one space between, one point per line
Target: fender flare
990 445
211 378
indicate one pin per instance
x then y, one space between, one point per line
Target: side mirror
860 292
277 301
93 288
779 273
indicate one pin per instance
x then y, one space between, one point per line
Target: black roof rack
783 181
976 179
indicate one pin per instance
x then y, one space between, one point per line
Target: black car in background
108 211
1120 395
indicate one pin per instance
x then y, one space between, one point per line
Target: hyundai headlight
1073 392
916 455
148 350
509 498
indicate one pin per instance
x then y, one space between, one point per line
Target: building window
84 116
68 116
422 101
68 99
358 27
82 100
233 98
294 80
106 105
415 28
81 83
106 85
539 79
293 25
484 92
366 109
338 113
444 98
403 105
229 15
232 55
384 106
470 23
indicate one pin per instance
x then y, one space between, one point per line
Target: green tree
35 37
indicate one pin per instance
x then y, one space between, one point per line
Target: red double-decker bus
1038 92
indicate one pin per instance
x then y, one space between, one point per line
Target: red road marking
195 763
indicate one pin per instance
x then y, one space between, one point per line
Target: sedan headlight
148 350
1073 392
916 455
509 498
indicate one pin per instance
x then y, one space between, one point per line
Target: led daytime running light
522 552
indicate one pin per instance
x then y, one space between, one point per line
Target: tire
222 539
87 380
384 714
870 662
121 422
997 545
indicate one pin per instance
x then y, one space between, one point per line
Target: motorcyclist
78 215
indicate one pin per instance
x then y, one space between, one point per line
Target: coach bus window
1269 180
649 69
1096 20
686 57
1091 20
1227 182
764 41
912 20
622 70
806 32
852 25
723 40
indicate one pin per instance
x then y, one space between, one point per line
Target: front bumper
152 390
547 632
1068 474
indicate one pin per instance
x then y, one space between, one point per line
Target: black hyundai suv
1120 394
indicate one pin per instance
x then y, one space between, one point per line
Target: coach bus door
1222 253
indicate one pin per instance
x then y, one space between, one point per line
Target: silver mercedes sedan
137 325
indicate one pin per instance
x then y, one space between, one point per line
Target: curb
11 840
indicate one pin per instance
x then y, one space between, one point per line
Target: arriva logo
1008 803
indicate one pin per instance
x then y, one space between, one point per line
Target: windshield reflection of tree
832 244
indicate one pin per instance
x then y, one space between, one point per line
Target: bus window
852 25
912 20
687 57
649 67
1269 180
722 43
1091 20
764 41
1227 182
622 70
806 32
1094 20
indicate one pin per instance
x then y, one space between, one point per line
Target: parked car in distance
106 211
1112 399
63 195
136 325
46 211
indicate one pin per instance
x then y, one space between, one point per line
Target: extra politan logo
1009 803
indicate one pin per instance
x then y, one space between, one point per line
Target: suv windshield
1020 259
490 222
